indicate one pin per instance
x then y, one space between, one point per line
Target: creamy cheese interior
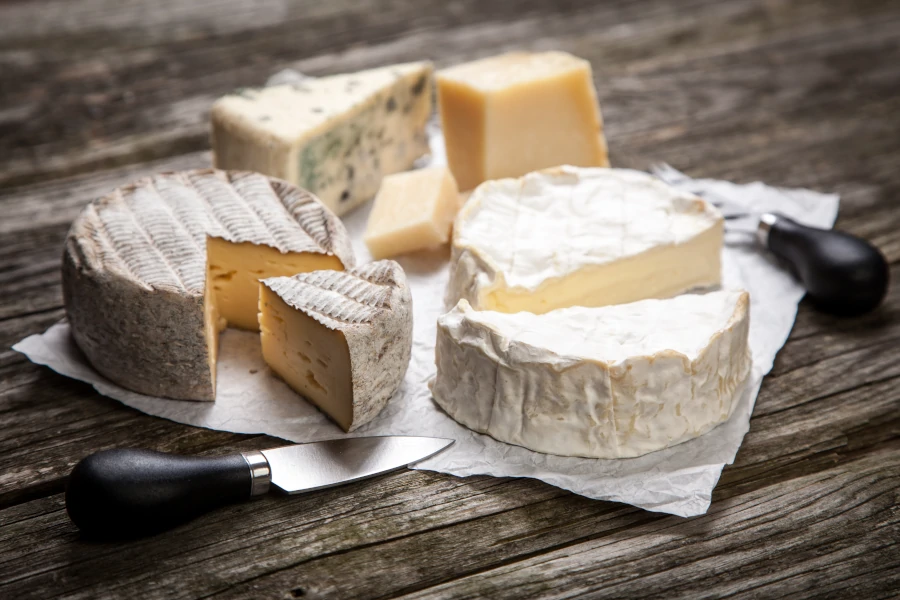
313 359
657 273
234 271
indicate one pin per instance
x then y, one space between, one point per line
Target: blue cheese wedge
335 136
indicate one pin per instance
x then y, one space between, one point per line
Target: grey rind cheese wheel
341 339
135 269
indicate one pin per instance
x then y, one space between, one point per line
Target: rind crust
475 270
134 269
371 306
579 406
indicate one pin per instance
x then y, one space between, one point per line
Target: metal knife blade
317 465
128 492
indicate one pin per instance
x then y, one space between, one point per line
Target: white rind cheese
573 236
335 136
340 339
137 295
611 382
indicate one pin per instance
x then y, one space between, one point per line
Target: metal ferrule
260 472
766 221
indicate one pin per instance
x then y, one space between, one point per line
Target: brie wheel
573 236
611 382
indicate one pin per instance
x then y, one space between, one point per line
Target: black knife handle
843 274
130 492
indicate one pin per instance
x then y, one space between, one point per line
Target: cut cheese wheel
611 382
138 298
581 237
342 340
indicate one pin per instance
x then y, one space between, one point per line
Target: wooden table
97 92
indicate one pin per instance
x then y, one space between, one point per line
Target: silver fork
676 178
843 274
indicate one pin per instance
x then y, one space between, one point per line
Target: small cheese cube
512 114
412 211
334 136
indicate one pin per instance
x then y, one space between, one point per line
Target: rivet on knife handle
843 274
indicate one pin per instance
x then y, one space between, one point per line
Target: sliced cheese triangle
342 340
611 382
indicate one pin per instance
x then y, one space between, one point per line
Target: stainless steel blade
317 465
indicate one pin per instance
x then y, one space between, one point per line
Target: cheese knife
129 492
843 274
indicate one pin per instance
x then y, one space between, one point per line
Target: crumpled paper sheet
678 480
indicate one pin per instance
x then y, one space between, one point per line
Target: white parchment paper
677 480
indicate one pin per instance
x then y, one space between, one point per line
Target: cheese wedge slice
412 211
335 136
154 270
612 382
342 340
573 236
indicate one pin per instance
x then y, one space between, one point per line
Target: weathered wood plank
850 507
271 529
820 531
147 101
804 439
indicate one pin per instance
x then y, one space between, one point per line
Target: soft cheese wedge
335 136
507 115
611 382
152 271
340 339
573 236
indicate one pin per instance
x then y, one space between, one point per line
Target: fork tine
666 172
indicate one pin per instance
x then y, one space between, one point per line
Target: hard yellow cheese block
412 211
236 269
512 114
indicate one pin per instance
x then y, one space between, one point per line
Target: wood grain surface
94 93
